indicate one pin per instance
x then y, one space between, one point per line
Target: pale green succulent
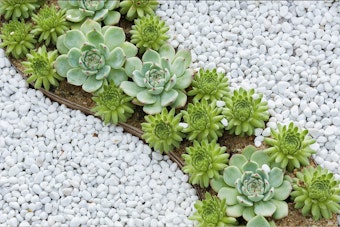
113 105
244 112
316 193
93 56
18 9
162 131
149 32
78 11
289 147
211 212
204 121
39 67
252 189
137 8
209 85
203 161
160 80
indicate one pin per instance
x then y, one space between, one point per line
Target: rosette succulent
159 80
209 85
204 161
289 146
93 56
17 39
39 66
137 8
253 190
245 112
78 11
49 24
211 212
204 121
18 9
149 32
317 192
112 105
162 131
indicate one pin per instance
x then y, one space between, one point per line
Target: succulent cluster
93 56
289 146
113 105
211 212
252 189
137 8
162 130
245 112
316 192
209 85
160 79
203 161
18 9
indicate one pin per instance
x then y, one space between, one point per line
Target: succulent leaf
18 9
137 8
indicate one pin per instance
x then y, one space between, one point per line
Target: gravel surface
62 168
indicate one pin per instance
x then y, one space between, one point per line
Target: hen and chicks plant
137 8
289 146
18 9
316 193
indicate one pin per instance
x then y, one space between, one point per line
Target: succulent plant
252 189
204 161
209 85
244 112
49 24
160 80
316 191
162 131
98 10
211 212
137 8
18 9
149 32
39 66
93 56
204 121
112 105
289 146
17 39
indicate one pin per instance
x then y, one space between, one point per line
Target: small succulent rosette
160 79
316 193
78 11
93 56
18 9
252 189
137 8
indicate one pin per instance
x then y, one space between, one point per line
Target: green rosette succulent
17 39
93 56
204 161
289 147
253 190
137 8
149 32
18 9
49 24
78 11
39 66
211 212
244 112
316 193
162 131
160 80
209 85
112 105
204 121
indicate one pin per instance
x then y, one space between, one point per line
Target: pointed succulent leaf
281 209
153 108
185 80
217 183
168 97
95 38
178 66
229 194
130 50
132 64
257 221
186 55
74 38
114 37
283 191
130 88
76 77
235 210
276 177
167 51
112 17
238 160
151 56
116 58
62 66
92 84
231 174
146 98
266 209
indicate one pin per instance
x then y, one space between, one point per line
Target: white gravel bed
55 172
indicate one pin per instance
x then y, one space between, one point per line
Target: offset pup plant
93 56
316 193
244 112
289 147
137 8
18 9
204 161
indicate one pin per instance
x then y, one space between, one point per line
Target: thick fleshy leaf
258 221
132 64
186 55
235 210
230 194
185 80
248 213
237 160
130 88
275 177
248 151
180 101
138 78
177 66
281 209
61 45
217 183
100 14
260 158
95 38
250 166
244 201
231 174
146 98
153 108
130 50
103 72
167 51
76 77
112 17
90 25
266 209
116 58
92 84
151 56
73 57
74 38
61 65
75 15
117 76
114 37
282 192
168 97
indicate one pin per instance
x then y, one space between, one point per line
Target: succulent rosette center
39 67
162 130
150 33
210 215
290 145
253 186
92 60
243 110
92 5
156 78
201 160
141 3
200 119
111 98
319 190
